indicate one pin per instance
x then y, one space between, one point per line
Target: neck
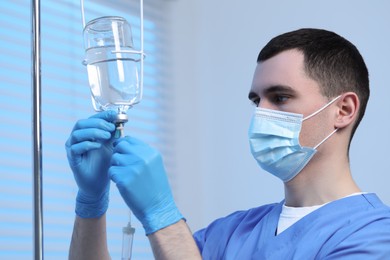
315 187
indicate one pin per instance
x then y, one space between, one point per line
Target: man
310 89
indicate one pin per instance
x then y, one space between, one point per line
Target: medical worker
310 89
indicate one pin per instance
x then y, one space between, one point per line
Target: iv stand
37 146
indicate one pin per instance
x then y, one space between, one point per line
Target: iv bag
112 64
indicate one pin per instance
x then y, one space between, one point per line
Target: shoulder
240 217
222 228
366 234
371 241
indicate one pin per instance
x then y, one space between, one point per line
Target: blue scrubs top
356 227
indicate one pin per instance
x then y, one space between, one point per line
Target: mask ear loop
322 108
326 138
315 113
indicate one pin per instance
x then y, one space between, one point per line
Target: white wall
215 49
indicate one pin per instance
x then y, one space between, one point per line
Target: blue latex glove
138 171
89 150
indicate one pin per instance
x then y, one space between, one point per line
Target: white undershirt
290 215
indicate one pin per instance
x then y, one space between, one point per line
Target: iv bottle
111 64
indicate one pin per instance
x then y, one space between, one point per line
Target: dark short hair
331 60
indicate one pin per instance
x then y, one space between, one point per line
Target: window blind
65 99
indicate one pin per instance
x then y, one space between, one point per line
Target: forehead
284 69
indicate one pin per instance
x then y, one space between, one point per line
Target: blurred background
201 56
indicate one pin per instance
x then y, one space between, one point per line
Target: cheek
314 131
306 135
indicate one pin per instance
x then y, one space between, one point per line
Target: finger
130 145
118 159
89 134
109 115
83 147
134 141
115 173
120 174
130 140
94 123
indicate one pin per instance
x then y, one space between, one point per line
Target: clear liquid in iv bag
113 79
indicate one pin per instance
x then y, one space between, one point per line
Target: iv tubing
37 143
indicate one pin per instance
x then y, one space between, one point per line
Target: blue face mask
274 141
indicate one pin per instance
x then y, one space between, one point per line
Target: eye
280 99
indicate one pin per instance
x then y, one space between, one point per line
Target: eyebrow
272 89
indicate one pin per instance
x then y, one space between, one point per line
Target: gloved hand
138 171
89 150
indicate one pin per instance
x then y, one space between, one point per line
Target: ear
348 107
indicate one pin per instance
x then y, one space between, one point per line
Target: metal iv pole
37 146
